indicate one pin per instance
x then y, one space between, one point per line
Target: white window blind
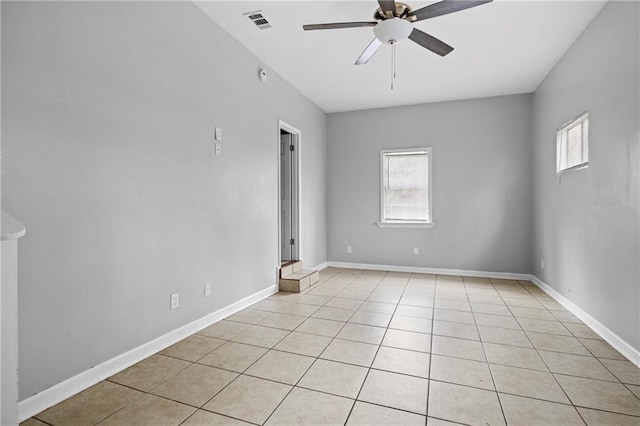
405 185
573 144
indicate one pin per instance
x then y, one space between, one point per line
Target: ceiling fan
394 23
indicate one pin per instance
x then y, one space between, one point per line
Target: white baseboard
57 393
619 344
321 266
421 270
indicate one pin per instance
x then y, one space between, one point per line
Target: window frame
562 134
383 222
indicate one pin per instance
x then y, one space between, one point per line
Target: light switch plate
218 134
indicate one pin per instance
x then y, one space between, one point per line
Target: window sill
406 224
576 167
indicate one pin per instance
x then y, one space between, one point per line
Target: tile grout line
433 314
484 352
379 369
143 391
293 387
298 381
374 356
342 396
546 365
441 335
242 373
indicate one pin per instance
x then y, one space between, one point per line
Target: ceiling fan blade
445 7
336 25
388 7
430 42
371 49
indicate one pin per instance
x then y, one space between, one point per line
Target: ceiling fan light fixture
392 30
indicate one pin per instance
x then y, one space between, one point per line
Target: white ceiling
504 47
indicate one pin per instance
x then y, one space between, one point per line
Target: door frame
296 137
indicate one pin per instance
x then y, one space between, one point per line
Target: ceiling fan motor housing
392 30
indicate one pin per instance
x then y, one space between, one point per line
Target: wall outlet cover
175 301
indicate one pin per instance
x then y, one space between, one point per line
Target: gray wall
107 125
587 225
481 184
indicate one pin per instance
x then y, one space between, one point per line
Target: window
573 144
406 188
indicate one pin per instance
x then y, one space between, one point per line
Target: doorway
289 208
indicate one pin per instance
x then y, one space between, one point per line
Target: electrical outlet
218 150
207 290
416 250
349 250
542 264
175 301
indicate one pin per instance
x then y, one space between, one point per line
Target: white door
287 237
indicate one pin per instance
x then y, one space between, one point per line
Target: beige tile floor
371 347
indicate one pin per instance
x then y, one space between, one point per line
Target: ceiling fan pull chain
393 62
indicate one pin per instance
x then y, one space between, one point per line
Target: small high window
406 187
573 144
